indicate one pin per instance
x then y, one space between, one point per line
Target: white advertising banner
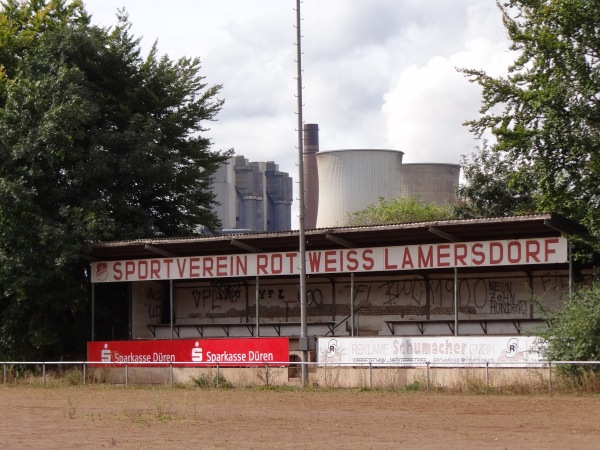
376 259
454 350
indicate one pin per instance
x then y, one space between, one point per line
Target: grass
472 381
160 413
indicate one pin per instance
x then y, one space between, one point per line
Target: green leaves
399 210
544 114
96 143
497 186
573 331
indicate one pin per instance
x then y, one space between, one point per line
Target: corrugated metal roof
480 229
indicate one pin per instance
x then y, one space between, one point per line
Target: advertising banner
239 352
455 350
375 259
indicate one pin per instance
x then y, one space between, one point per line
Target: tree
96 143
573 331
545 114
495 188
399 210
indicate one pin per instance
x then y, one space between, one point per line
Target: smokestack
311 176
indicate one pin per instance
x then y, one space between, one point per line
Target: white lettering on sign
376 259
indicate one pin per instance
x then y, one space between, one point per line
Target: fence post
4 371
83 364
126 374
487 374
550 376
370 375
171 374
427 375
43 373
267 373
218 375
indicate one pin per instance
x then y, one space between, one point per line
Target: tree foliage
495 187
573 332
96 143
399 210
545 113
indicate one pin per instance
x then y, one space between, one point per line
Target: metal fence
40 370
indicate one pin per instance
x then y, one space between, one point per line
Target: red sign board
238 352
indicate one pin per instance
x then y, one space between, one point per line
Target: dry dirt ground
83 417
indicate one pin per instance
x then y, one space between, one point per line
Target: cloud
428 103
377 73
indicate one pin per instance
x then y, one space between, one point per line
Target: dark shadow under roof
481 229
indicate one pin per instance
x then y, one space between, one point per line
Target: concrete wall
403 305
466 379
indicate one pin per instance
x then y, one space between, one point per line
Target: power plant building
257 196
253 196
340 182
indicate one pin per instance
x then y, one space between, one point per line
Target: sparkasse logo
197 352
105 354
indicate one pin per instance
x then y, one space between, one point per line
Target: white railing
427 367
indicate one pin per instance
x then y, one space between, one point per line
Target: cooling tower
431 182
350 180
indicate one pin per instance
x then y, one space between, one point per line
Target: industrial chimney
311 175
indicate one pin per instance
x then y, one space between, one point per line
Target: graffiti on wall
149 306
222 295
477 295
217 294
491 295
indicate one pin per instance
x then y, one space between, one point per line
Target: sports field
85 417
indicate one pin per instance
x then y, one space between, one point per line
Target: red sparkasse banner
237 352
374 259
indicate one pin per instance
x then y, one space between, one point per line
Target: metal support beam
340 241
93 307
172 313
256 295
245 246
158 251
455 301
443 234
352 304
567 227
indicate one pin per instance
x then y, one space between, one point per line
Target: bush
207 381
573 332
